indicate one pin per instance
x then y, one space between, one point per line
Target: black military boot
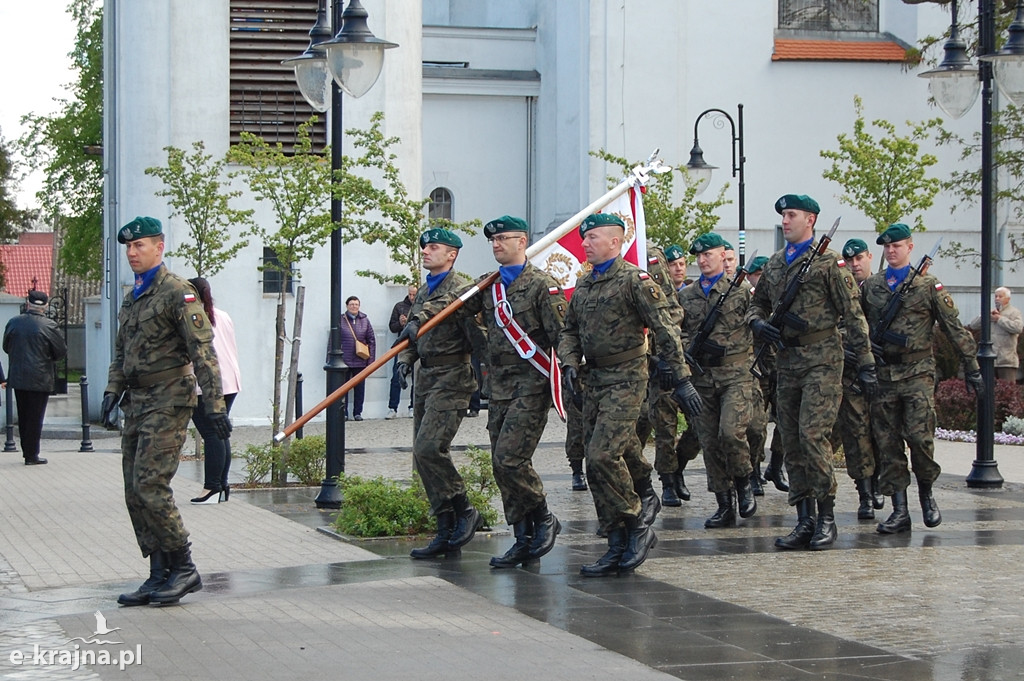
579 480
545 528
899 520
866 509
641 540
668 491
932 517
183 578
776 472
467 522
681 490
825 530
801 535
608 564
650 504
520 551
439 544
725 516
745 496
877 498
159 568
756 482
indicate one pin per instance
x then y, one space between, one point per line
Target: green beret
853 247
728 246
706 242
757 264
893 233
440 236
600 220
797 201
673 253
138 228
506 223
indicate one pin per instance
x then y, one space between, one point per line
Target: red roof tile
835 50
22 264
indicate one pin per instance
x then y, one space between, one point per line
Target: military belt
147 380
618 357
807 339
906 358
444 360
726 360
506 360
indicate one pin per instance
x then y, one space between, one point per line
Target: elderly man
1007 324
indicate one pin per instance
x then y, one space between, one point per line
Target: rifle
781 315
882 333
700 339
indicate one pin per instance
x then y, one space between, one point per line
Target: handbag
362 349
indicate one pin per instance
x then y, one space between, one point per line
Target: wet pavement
286 598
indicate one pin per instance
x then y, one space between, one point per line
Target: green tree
72 193
13 220
669 222
886 178
195 191
401 219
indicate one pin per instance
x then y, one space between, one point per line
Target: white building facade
497 104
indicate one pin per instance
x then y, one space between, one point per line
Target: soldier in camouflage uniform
609 309
524 309
163 348
904 409
441 395
853 424
687 444
726 387
810 364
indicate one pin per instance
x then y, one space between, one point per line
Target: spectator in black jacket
399 315
34 344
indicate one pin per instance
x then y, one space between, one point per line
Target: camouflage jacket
163 329
925 304
451 338
828 295
657 267
607 316
538 305
731 333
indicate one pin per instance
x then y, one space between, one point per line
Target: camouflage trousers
573 431
150 451
757 428
612 449
433 431
808 400
905 410
853 429
722 429
515 427
663 415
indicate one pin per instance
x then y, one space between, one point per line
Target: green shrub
307 459
956 409
480 486
259 461
1013 425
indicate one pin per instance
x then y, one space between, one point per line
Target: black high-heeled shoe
225 494
208 498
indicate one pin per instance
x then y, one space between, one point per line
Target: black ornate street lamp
954 86
701 171
351 61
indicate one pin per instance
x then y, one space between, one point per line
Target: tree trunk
278 367
293 378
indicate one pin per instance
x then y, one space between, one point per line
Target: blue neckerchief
706 284
603 267
510 272
434 279
794 251
681 286
895 277
144 281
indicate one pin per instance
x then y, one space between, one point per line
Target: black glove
221 425
868 378
974 383
569 375
666 375
409 333
765 332
687 398
849 356
403 370
108 412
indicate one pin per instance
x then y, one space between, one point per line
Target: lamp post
954 84
701 171
351 61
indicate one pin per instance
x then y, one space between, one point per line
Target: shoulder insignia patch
849 282
938 286
841 262
948 300
653 260
554 290
644 276
654 291
190 297
197 321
